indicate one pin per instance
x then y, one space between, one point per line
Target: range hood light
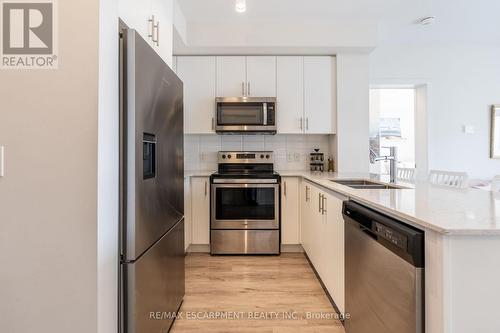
241 6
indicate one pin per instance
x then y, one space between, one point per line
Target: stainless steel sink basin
366 184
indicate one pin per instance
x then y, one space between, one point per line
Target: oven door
245 206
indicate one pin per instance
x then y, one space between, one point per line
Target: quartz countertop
445 210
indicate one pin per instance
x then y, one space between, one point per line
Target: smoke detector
240 6
425 20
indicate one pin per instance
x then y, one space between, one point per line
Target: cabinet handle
157 28
320 201
307 123
324 205
151 22
301 123
284 188
307 193
205 188
213 123
243 88
248 88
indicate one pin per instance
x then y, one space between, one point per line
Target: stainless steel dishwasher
384 265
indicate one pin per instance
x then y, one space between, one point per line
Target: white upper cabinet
290 94
246 76
198 75
231 76
261 76
305 88
319 95
157 32
163 30
135 15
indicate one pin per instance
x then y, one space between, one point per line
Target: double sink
366 184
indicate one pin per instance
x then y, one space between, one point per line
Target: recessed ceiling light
425 20
241 6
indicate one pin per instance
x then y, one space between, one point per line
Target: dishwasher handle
402 239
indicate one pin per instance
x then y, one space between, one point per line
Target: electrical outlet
202 157
289 157
296 157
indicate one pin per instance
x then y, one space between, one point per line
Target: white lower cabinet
305 213
290 210
333 247
200 210
322 237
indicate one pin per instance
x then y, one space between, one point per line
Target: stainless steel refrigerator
151 187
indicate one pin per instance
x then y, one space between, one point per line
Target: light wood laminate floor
265 288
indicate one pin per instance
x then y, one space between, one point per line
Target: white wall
200 151
463 82
48 197
277 38
107 278
351 144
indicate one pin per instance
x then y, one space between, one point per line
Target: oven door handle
275 186
244 181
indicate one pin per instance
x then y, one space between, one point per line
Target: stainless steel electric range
245 204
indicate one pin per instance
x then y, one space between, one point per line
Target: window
392 124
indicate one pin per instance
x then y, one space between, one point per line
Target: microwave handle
264 112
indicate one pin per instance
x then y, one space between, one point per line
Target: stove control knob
261 156
229 156
223 156
267 156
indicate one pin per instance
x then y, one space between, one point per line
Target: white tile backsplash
253 142
291 152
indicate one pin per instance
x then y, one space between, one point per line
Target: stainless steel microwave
245 115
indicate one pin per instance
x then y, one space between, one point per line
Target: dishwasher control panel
391 235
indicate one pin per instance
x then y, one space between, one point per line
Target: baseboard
291 248
198 248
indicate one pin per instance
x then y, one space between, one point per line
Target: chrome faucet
393 163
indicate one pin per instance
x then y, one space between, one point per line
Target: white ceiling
468 21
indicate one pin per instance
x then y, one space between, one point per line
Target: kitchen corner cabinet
322 237
198 75
290 210
252 76
200 210
320 95
306 94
